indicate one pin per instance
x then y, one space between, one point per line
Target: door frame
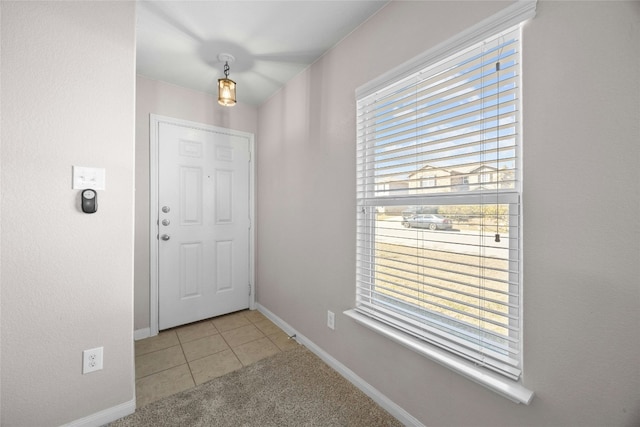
154 136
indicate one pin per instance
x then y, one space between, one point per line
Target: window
429 181
441 263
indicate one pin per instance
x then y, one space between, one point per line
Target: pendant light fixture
226 86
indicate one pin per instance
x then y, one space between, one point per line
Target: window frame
508 387
428 181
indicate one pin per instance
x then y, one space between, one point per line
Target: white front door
203 223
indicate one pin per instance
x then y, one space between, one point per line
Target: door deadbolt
166 209
166 222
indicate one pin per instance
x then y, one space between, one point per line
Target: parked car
430 221
418 210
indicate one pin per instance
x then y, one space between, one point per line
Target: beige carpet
293 388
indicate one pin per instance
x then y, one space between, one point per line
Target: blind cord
497 237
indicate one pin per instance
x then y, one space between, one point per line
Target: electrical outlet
92 360
331 320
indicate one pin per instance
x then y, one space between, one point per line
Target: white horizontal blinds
440 125
456 288
437 180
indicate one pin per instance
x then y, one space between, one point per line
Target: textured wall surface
68 84
155 97
581 103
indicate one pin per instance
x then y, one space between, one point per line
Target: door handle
165 237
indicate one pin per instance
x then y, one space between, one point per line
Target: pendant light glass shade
226 92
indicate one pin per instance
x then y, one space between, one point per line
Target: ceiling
272 41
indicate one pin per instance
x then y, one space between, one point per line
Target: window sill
512 390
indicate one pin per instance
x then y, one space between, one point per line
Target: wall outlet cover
331 320
92 360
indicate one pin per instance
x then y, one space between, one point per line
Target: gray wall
68 84
581 102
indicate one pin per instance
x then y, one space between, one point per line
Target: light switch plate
85 177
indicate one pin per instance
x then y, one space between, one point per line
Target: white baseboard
140 334
106 416
382 400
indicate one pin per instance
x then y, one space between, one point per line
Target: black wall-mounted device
89 201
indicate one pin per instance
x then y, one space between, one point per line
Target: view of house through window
439 204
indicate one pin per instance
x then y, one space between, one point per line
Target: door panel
190 270
203 249
224 265
191 196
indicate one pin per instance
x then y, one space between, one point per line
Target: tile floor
180 358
